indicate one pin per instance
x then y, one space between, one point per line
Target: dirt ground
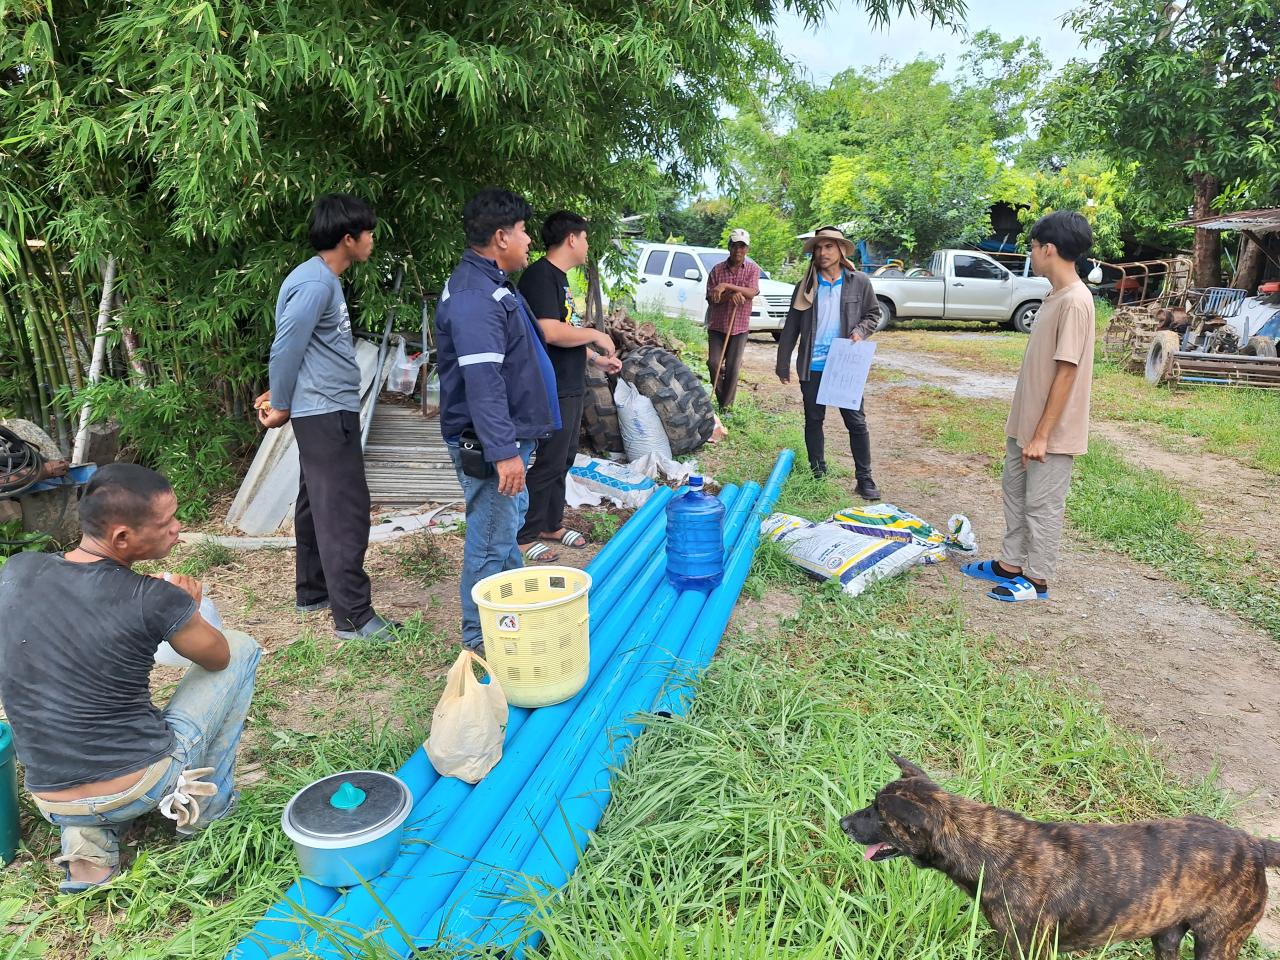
1202 687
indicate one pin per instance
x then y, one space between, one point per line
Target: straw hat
831 233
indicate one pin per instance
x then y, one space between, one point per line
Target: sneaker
373 630
819 469
312 607
867 489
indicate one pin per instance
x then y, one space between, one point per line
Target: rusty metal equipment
1143 289
1167 363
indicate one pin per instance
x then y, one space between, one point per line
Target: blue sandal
984 570
1017 590
69 886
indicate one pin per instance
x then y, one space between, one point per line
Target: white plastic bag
403 377
469 723
166 656
642 429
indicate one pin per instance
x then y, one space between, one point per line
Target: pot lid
347 804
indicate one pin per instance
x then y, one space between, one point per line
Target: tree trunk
1249 272
99 354
1208 243
595 297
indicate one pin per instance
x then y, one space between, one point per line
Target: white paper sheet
845 376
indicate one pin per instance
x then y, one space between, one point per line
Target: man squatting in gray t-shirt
315 384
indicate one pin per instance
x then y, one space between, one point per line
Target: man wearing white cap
835 299
731 287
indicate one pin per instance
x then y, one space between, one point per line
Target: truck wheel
1260 347
677 394
599 415
1159 367
1025 316
887 315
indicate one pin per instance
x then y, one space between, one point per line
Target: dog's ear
901 811
908 768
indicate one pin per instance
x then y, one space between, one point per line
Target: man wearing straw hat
834 299
731 286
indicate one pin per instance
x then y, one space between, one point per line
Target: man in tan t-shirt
1048 425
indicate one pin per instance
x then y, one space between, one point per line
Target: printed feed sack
888 522
828 551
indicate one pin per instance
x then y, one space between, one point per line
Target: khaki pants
1035 500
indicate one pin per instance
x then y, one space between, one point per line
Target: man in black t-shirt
545 286
77 643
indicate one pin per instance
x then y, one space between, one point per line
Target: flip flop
571 538
69 886
984 570
540 553
1017 590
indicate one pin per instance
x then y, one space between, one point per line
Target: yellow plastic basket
534 622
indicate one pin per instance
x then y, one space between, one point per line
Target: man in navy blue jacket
497 388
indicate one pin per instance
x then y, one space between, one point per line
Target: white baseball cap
740 236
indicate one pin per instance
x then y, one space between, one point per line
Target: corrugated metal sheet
1259 221
406 462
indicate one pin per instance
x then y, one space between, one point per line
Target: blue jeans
206 714
492 523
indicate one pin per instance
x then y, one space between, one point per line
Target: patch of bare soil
1200 686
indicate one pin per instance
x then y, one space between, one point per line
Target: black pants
331 518
855 422
547 475
727 385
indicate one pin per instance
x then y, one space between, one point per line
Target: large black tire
677 395
600 427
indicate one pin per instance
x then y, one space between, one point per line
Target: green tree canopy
1187 92
187 139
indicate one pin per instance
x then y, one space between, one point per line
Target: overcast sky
846 39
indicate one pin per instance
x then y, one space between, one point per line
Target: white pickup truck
961 285
672 278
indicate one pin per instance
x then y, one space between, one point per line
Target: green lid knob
347 797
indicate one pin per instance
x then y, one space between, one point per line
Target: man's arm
869 311
479 325
748 291
294 327
561 334
1064 378
196 639
787 343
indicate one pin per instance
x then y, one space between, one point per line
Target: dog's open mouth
876 852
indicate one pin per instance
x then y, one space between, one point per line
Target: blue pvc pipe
433 811
281 926
620 543
515 833
419 895
566 833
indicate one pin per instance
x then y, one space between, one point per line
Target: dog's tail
1271 851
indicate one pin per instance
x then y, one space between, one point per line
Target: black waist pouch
474 464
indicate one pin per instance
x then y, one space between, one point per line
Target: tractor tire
1159 366
677 394
1260 347
600 429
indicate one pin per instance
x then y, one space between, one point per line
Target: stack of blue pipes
472 852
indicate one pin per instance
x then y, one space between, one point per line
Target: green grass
1239 424
423 559
601 525
723 837
202 556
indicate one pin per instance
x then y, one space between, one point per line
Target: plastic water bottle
695 539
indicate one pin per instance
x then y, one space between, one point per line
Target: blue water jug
695 539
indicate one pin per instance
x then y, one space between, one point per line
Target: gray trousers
1035 500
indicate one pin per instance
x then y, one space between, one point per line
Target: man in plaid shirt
731 287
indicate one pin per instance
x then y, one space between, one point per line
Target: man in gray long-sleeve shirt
315 383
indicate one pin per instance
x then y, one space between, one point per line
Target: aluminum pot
347 827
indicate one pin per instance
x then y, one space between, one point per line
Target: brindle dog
1046 887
